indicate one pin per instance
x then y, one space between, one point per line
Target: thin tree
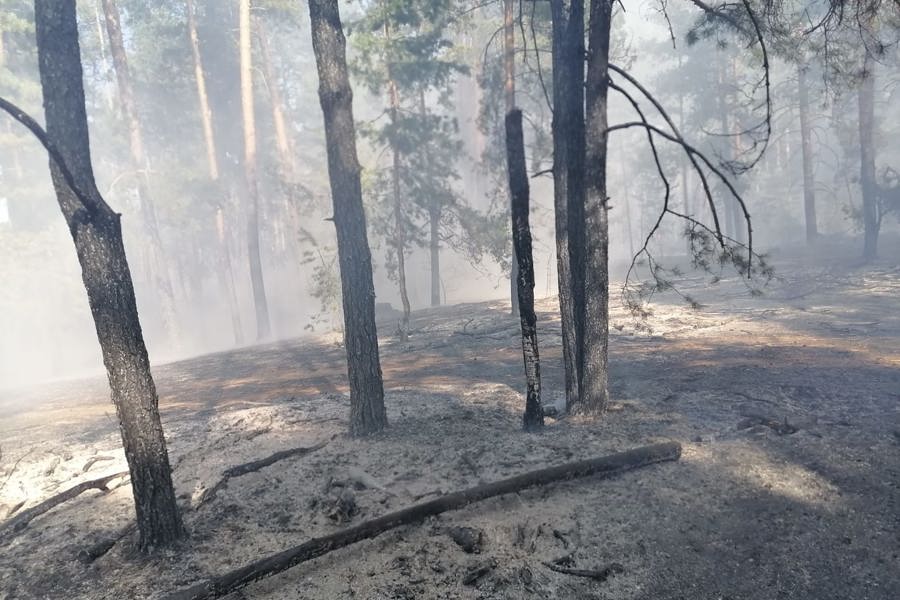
809 181
141 166
260 303
509 98
866 104
399 234
225 273
97 233
367 413
533 418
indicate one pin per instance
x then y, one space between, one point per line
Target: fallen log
600 575
604 467
14 526
256 465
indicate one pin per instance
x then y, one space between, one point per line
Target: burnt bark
367 414
140 164
866 100
603 467
567 73
533 418
595 319
97 234
260 302
809 180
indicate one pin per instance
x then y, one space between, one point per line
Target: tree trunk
399 229
226 277
521 234
141 166
434 222
809 180
866 97
202 95
224 271
509 94
260 303
283 142
96 231
563 77
367 414
595 340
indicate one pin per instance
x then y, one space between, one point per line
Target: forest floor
751 511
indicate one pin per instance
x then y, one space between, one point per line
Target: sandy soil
748 513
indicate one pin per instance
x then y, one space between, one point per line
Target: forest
450 299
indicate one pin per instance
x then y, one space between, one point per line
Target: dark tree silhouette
521 234
97 233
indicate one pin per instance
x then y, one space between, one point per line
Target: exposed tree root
256 465
604 467
14 526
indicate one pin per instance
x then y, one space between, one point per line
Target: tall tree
533 418
568 118
809 181
594 394
260 303
141 166
866 104
509 99
224 270
405 53
367 413
97 234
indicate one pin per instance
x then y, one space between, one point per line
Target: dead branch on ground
603 467
254 466
14 526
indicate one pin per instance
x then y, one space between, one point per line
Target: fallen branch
14 526
604 467
595 574
256 465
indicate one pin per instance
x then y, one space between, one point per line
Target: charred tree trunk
224 271
809 179
140 164
567 75
97 233
866 98
521 234
595 340
509 95
367 414
260 303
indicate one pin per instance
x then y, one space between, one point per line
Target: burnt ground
787 407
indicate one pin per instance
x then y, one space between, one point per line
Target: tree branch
22 117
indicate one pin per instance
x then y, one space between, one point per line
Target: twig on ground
601 574
255 465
